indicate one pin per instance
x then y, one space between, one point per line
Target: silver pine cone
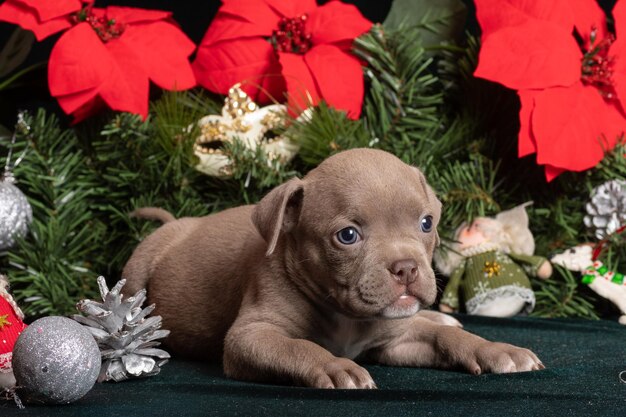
127 338
606 212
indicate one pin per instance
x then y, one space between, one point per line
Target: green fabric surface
583 360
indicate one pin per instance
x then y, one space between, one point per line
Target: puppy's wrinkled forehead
370 183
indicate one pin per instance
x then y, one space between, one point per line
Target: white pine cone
126 338
607 208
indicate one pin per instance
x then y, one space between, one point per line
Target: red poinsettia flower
568 70
278 46
111 54
42 17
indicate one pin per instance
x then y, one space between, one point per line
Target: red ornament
569 73
11 326
275 47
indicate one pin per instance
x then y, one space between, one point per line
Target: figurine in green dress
489 264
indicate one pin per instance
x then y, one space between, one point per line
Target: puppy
323 270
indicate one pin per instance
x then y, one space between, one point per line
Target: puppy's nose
404 270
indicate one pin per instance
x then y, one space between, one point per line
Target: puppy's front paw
500 358
340 373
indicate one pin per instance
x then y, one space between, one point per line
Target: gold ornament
237 103
4 321
492 268
244 120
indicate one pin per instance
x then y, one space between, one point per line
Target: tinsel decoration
606 211
55 361
15 211
125 335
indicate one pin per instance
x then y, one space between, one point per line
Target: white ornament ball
15 214
55 361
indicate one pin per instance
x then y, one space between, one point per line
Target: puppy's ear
278 212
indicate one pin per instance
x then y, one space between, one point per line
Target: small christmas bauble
15 214
55 361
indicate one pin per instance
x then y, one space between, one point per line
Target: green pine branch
612 166
467 190
402 108
560 296
53 266
255 171
325 131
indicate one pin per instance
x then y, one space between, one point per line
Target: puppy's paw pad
341 373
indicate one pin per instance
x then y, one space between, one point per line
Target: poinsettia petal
272 88
292 8
72 102
552 172
494 15
88 109
164 50
520 57
619 15
225 27
573 127
220 66
78 62
618 52
526 142
127 87
338 76
130 15
254 11
51 9
588 14
25 17
301 88
336 21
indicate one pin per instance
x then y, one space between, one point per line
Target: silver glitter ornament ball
55 361
15 214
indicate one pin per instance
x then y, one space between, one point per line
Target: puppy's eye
348 236
427 224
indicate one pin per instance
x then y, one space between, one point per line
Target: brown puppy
323 270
